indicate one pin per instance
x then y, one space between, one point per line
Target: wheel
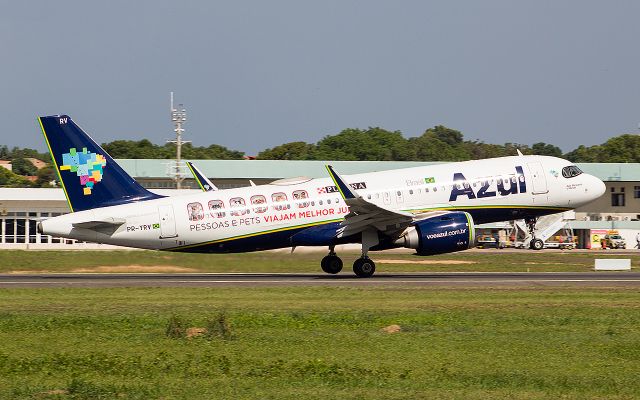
537 244
331 264
364 267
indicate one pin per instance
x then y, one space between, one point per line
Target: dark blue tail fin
90 178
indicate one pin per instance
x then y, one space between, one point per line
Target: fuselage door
167 222
538 179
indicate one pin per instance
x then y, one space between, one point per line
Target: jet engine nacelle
444 233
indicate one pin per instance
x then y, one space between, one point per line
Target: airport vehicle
613 240
490 241
565 240
432 209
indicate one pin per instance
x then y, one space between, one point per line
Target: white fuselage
491 190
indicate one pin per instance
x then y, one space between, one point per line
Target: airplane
433 209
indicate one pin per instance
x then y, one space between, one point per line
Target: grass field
154 261
320 343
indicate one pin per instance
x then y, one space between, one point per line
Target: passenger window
238 202
196 212
215 207
301 195
259 200
279 198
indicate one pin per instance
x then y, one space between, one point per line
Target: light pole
178 117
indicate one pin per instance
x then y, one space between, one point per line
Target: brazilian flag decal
156 226
430 180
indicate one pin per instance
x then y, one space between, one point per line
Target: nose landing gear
534 244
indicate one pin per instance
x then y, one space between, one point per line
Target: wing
204 182
364 215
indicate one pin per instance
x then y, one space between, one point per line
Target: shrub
175 328
219 327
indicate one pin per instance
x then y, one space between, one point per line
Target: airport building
617 210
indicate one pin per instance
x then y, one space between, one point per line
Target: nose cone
595 188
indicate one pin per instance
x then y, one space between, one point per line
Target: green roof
276 169
267 169
623 172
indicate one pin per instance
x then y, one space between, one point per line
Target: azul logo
513 185
87 165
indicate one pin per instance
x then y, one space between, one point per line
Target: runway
460 279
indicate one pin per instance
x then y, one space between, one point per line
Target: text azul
462 188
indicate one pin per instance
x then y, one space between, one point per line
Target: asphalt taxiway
442 279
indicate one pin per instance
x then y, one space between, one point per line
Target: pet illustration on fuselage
432 209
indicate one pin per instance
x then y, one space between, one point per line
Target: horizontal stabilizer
98 224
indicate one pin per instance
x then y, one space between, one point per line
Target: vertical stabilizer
90 177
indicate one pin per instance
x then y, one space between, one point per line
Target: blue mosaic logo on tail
87 166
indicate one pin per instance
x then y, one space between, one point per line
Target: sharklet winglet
343 188
205 184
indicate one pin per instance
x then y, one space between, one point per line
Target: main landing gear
363 267
331 263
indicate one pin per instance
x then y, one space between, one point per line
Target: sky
256 74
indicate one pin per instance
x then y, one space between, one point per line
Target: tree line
439 143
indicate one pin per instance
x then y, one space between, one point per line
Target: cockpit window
571 171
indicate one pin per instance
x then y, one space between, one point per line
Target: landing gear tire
364 267
537 244
331 264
